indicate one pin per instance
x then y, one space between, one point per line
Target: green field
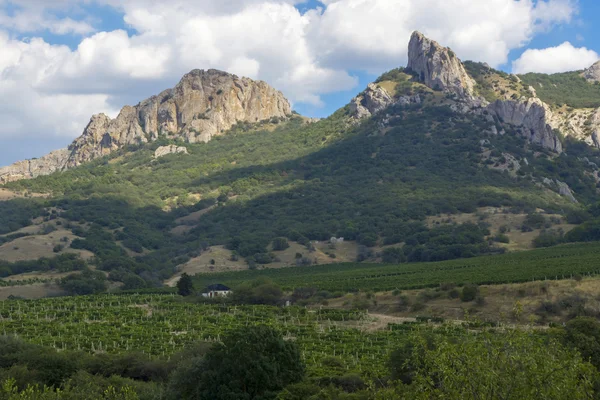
161 325
552 263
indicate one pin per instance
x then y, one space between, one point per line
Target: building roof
216 287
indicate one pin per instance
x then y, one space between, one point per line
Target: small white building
216 290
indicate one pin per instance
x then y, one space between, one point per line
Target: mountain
504 99
592 74
204 104
443 159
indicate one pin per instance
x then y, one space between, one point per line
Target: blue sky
64 60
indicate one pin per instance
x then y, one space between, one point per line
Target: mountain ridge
202 105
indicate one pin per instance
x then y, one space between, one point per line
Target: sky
61 61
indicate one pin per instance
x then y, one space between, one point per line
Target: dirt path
380 322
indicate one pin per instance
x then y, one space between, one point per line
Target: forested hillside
373 182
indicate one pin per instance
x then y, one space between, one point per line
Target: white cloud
561 58
26 110
304 55
372 34
37 16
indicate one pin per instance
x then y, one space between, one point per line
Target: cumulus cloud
305 55
565 57
32 16
26 110
372 34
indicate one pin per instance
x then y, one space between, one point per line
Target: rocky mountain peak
204 104
592 74
438 66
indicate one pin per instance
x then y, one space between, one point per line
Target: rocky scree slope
204 104
439 69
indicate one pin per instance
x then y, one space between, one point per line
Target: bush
280 244
250 363
501 238
469 293
547 239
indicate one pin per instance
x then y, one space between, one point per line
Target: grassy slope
565 88
314 180
553 263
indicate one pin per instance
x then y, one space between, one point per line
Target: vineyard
160 325
552 263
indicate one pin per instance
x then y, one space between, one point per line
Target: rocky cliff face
172 149
204 104
33 168
440 69
369 102
438 66
532 117
592 74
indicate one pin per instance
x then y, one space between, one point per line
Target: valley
447 207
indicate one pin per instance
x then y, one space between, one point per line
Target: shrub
469 293
280 244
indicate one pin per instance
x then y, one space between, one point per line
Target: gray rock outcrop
29 169
531 116
369 102
172 149
438 67
565 190
592 74
594 138
202 105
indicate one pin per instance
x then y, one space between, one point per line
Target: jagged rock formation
438 66
172 149
29 169
531 116
565 190
369 102
592 74
594 138
204 104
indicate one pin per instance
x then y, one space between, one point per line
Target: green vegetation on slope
195 352
373 182
568 88
554 263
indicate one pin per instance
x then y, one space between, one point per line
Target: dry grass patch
6 194
539 302
499 219
37 246
36 291
204 264
53 275
388 86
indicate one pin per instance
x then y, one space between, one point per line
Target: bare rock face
594 138
369 102
204 104
565 190
172 149
438 66
531 116
33 168
592 74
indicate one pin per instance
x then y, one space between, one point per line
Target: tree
258 291
469 293
88 282
280 243
515 365
252 363
583 333
185 285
